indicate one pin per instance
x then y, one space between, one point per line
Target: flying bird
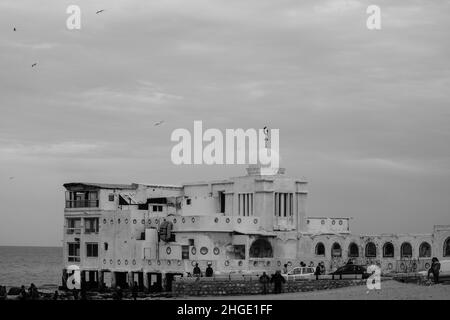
159 123
99 11
34 65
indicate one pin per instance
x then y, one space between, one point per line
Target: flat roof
98 185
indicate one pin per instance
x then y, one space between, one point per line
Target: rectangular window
185 252
222 201
111 197
81 199
245 204
73 252
284 204
91 250
91 225
157 208
73 225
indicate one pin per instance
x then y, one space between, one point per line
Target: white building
118 234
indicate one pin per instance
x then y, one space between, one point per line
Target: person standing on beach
264 280
435 269
278 280
197 272
209 271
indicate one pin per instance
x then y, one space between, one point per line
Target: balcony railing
81 203
73 258
73 230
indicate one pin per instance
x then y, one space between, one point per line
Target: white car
443 273
300 273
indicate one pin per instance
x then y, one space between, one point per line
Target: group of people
277 279
209 272
435 269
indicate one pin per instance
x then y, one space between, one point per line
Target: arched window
425 250
447 247
320 249
406 250
261 248
353 251
371 250
336 250
388 250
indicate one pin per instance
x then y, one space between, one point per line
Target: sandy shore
390 290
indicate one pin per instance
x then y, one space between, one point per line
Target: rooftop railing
82 203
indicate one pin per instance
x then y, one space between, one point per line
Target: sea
25 265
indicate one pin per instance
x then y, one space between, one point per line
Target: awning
129 198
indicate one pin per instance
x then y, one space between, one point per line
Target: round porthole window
255 221
126 262
194 251
322 222
193 219
333 222
118 262
111 261
239 220
340 222
149 221
183 220
143 221
193 263
111 221
227 263
168 262
134 221
240 263
216 251
227 220
156 221
134 262
174 220
203 250
168 250
216 220
104 221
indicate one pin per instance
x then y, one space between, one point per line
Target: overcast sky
363 115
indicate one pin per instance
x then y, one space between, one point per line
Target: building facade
121 234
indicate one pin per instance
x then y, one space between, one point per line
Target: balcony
73 231
82 203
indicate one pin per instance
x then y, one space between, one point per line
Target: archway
353 250
447 248
406 250
261 248
388 250
320 249
371 250
336 250
425 250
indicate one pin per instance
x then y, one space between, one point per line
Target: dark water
25 265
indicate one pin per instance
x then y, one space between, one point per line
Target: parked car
299 273
444 273
351 270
